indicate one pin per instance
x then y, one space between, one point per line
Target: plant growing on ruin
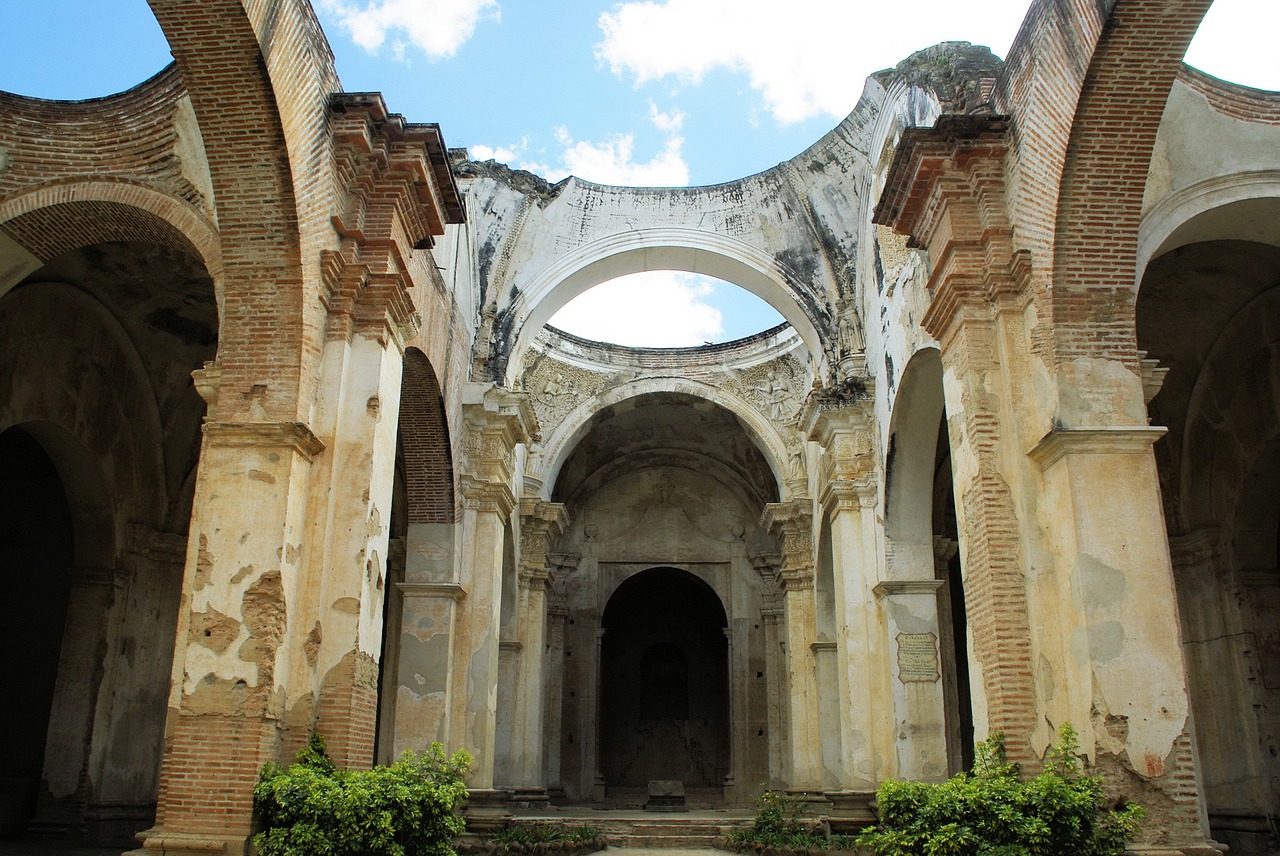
533 837
994 812
780 824
405 809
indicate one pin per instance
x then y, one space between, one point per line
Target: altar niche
664 682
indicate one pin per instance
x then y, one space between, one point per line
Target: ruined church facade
290 445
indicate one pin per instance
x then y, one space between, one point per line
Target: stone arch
1243 206
675 727
640 250
1216 462
59 216
560 444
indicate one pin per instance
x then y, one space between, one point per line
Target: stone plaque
917 657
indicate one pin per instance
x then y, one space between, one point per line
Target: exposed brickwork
424 443
1231 99
49 232
1137 58
51 140
347 712
263 336
210 766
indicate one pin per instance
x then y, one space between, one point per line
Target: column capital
895 588
494 421
792 524
541 523
485 496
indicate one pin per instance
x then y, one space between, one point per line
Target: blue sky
663 92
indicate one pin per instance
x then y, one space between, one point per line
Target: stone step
664 842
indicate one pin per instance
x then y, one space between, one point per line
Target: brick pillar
792 524
231 678
1058 500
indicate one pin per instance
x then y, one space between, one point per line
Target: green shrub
406 809
533 834
993 812
780 823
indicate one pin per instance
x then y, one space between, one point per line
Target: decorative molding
1094 441
264 435
453 591
893 588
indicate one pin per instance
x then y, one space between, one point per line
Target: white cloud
504 154
613 162
657 309
437 27
812 60
670 122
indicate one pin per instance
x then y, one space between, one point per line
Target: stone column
89 603
341 640
553 698
848 495
495 420
944 549
540 524
917 698
776 692
428 617
792 524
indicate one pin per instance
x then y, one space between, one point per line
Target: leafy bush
406 809
543 833
780 823
993 812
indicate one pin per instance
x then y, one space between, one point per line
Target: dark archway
36 558
664 682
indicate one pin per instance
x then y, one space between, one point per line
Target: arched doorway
664 682
1207 313
36 558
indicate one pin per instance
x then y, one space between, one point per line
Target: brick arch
1123 64
259 74
62 216
424 444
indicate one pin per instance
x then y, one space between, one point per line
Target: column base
156 843
487 809
529 797
851 810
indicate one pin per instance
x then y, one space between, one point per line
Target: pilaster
540 525
495 421
791 523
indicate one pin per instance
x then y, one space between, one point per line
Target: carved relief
776 388
555 388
